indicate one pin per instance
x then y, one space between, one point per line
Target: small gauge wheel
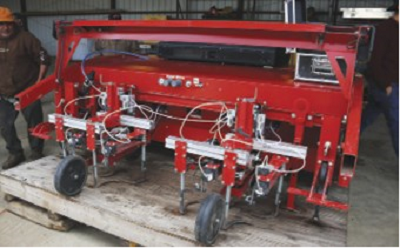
210 219
70 176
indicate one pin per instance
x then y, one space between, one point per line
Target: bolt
330 164
309 117
293 115
319 161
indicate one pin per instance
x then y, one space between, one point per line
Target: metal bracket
228 172
90 136
60 136
180 156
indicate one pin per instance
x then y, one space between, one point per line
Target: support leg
278 195
291 197
64 148
182 209
143 156
227 201
95 174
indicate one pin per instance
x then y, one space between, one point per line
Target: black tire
323 174
210 219
70 176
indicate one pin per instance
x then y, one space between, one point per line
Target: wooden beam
40 216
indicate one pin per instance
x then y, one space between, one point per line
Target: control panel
179 81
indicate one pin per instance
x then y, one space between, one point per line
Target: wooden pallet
148 213
38 215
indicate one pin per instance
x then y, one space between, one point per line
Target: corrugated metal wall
59 5
42 26
12 4
158 6
365 3
204 5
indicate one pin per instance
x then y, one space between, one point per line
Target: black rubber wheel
210 219
320 186
70 176
322 176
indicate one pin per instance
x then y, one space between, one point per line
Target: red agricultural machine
245 124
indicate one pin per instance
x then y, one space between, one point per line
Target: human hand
389 90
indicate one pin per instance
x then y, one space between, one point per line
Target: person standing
23 62
382 77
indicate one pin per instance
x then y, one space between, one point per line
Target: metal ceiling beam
23 11
240 9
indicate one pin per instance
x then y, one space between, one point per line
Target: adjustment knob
163 82
176 83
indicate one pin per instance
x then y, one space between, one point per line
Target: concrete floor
374 197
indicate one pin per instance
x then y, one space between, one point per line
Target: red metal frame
229 169
180 157
301 104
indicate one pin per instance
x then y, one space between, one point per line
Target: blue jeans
379 102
